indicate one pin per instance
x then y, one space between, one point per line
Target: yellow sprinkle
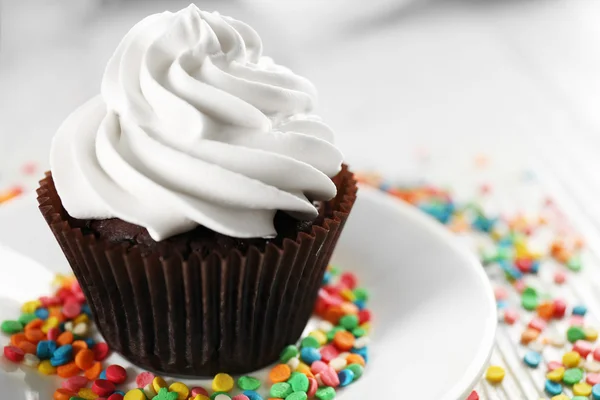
571 359
591 334
320 336
304 369
347 295
87 394
182 391
158 383
495 374
135 394
222 383
46 368
561 397
81 318
198 397
51 322
31 306
582 389
366 326
556 375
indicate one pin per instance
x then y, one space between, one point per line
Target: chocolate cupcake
197 199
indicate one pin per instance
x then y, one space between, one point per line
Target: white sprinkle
338 364
31 360
592 366
69 326
293 363
361 342
81 329
325 326
537 346
149 391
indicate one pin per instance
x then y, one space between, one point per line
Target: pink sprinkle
537 323
523 264
328 353
198 390
71 309
50 301
519 286
592 378
500 293
596 354
318 367
145 378
485 189
560 277
240 397
583 348
552 365
75 383
576 320
473 396
29 168
329 377
53 333
313 385
510 316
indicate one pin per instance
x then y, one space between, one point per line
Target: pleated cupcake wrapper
207 313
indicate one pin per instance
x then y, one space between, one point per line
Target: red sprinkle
511 316
583 348
71 309
329 352
75 383
349 280
313 385
596 354
102 387
50 301
14 354
560 308
473 396
116 374
364 316
146 378
115 396
53 333
101 351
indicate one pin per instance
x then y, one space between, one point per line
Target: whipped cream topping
195 127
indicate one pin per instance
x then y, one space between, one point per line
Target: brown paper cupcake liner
204 313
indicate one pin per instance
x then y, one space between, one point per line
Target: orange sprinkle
546 310
34 324
343 340
333 314
65 338
280 373
356 359
93 372
63 394
68 370
78 345
349 308
85 359
34 335
529 335
17 338
27 347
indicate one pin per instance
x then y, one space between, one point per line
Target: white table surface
518 81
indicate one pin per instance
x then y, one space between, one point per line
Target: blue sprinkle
579 310
42 313
58 361
90 342
363 352
360 304
532 359
122 393
252 395
86 310
326 278
65 351
385 186
102 375
596 391
501 304
553 388
535 267
309 355
45 349
346 377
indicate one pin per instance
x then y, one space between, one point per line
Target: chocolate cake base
199 303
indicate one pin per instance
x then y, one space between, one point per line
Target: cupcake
197 199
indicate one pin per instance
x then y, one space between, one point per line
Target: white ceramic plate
435 315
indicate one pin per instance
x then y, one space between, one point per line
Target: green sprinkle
325 393
299 382
359 332
297 396
248 383
76 398
164 394
574 264
575 333
310 341
281 390
572 376
357 369
334 271
11 327
27 318
361 294
212 396
332 332
349 322
504 253
288 353
529 299
579 398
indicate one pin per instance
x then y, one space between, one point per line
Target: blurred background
398 79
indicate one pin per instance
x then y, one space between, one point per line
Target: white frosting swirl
194 126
